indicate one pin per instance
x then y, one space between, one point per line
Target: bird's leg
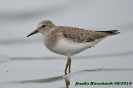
68 64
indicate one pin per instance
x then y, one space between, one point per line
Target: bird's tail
102 34
111 32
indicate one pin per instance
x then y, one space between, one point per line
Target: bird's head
43 27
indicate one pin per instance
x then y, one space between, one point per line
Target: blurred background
28 59
20 17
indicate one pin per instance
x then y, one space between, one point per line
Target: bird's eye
43 25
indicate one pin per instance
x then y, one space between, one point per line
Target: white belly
69 48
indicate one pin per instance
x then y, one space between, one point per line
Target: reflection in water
67 76
67 83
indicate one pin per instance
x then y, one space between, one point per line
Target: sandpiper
69 41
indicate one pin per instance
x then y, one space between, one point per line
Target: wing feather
81 35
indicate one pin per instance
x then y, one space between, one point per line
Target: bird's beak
34 32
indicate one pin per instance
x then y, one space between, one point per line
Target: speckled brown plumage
79 35
76 35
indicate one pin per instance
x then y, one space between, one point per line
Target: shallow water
28 72
26 62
